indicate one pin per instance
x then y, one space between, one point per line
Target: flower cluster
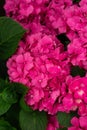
76 97
26 11
52 123
78 123
42 63
37 67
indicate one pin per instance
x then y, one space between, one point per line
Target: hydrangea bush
43 50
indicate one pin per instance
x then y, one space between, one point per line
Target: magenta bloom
77 53
52 123
36 66
79 123
26 12
77 94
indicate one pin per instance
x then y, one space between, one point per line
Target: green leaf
24 106
11 91
20 88
2 85
63 128
64 40
76 1
33 120
65 118
76 70
9 95
2 11
12 115
10 34
4 125
4 106
3 69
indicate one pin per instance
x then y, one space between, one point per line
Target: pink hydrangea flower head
36 66
52 123
77 53
55 16
83 2
75 18
26 11
83 122
78 123
68 102
78 91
